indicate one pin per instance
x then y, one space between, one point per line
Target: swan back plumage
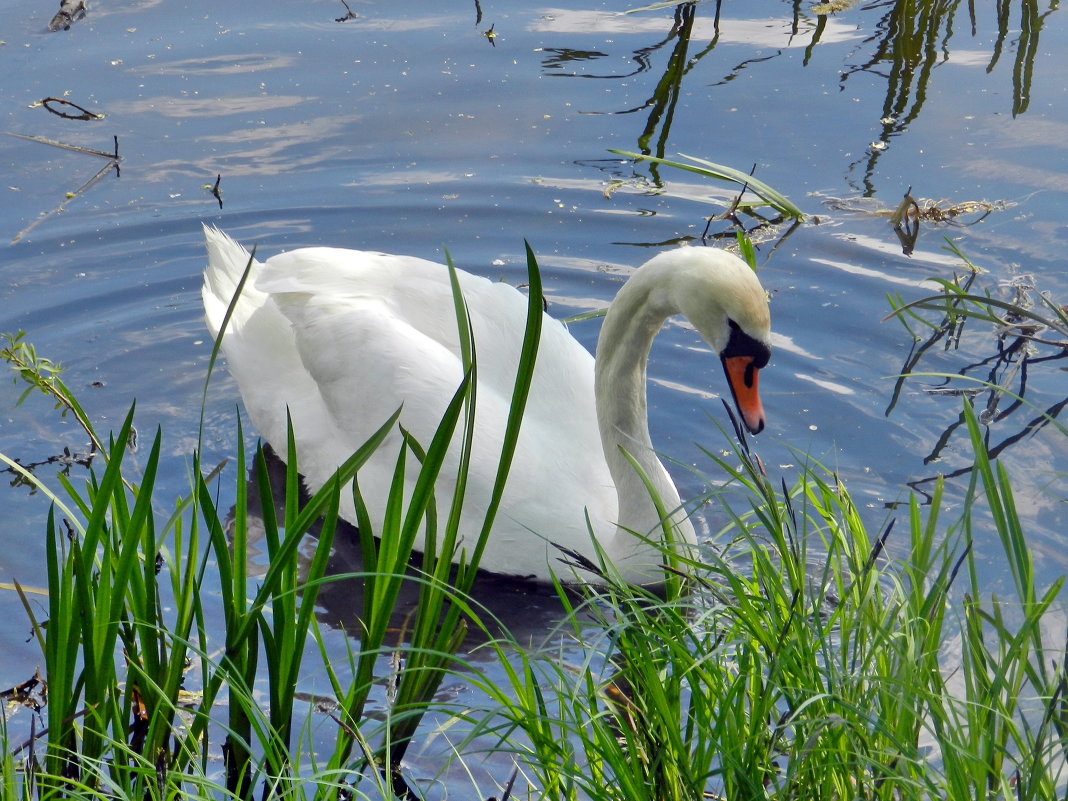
346 337
342 338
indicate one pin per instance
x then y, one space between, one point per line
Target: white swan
343 337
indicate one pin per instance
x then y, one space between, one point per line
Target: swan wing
350 336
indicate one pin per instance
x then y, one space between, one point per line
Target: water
408 129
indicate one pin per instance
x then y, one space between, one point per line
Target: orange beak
743 378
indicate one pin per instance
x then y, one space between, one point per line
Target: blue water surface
419 126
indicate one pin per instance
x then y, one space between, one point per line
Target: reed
802 655
810 658
130 600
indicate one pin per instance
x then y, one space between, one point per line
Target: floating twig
348 14
909 212
113 163
86 114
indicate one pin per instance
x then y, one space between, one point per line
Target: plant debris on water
70 11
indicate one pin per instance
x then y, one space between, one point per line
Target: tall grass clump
810 658
804 655
132 600
137 679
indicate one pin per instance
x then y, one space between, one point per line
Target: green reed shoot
815 659
438 626
805 654
720 172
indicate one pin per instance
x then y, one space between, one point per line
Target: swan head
723 299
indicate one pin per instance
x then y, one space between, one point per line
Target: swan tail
227 261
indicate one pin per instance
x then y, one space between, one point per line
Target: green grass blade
720 172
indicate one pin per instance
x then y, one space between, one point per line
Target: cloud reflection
235 64
780 33
269 150
204 107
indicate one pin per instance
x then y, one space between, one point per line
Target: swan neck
636 315
623 349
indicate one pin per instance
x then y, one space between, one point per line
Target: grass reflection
913 37
1027 330
908 40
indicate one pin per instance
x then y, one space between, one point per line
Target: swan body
342 338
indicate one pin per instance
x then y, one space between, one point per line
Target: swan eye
742 344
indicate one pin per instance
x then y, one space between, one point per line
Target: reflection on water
112 164
662 104
776 31
233 64
527 611
1022 339
912 39
203 107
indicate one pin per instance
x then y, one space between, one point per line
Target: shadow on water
525 611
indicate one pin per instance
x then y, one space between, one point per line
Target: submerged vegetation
807 656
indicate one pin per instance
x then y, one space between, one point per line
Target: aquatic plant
805 654
815 659
122 583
